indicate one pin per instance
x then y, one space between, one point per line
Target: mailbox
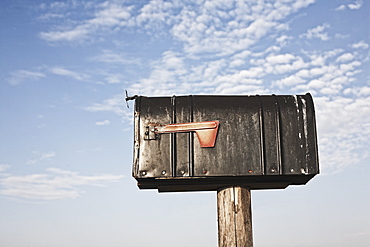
200 143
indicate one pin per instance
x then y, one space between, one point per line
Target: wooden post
234 217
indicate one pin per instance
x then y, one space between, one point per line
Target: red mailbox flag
206 131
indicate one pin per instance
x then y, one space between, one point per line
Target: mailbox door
152 155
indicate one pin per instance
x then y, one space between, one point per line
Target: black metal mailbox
199 143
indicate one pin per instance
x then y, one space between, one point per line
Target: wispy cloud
164 76
78 33
317 32
54 184
363 91
49 16
41 157
204 27
114 78
352 6
356 5
22 76
226 28
346 57
103 123
109 56
320 76
69 73
360 45
55 6
343 125
109 15
114 104
4 167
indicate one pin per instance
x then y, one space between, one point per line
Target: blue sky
67 134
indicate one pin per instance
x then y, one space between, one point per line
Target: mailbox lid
258 136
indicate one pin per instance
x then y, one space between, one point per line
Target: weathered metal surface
262 142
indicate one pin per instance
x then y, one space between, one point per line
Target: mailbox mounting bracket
150 133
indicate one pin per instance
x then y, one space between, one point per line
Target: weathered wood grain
234 217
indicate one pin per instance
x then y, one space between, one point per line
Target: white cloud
343 130
291 80
295 65
4 167
279 59
246 77
54 184
165 77
216 27
341 7
314 72
345 58
326 72
317 84
228 88
49 16
299 4
207 72
279 64
114 78
78 33
69 73
204 30
352 6
356 5
349 66
155 14
360 45
117 104
342 120
55 6
342 36
103 123
283 40
109 16
21 76
364 91
358 91
317 32
109 56
41 157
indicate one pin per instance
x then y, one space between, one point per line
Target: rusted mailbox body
199 143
